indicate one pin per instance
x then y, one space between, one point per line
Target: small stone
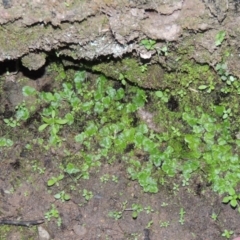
145 55
79 230
7 3
34 61
43 234
238 135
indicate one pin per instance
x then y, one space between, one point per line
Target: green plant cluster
109 130
108 126
232 84
212 148
53 213
149 44
191 77
220 37
113 129
5 142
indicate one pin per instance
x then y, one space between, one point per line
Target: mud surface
90 220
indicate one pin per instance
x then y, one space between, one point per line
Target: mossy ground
27 169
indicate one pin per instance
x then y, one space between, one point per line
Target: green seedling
227 113
55 180
164 224
53 213
162 181
122 78
163 50
54 123
232 198
225 90
26 194
114 178
11 122
5 142
230 80
220 37
182 93
63 196
71 169
163 95
28 146
87 194
143 173
209 88
182 215
148 44
22 112
148 209
116 215
38 169
176 131
105 178
227 234
29 91
150 223
164 204
136 208
175 188
67 4
73 188
185 182
143 68
214 216
222 70
41 170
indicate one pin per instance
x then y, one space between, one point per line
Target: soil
25 196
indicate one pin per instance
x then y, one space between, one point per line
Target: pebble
79 230
43 234
7 3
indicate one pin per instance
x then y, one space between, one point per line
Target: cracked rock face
163 27
82 29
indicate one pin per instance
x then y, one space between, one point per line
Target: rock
43 233
34 61
79 230
7 3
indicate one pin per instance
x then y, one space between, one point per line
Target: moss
16 39
25 233
4 230
130 69
182 86
190 74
